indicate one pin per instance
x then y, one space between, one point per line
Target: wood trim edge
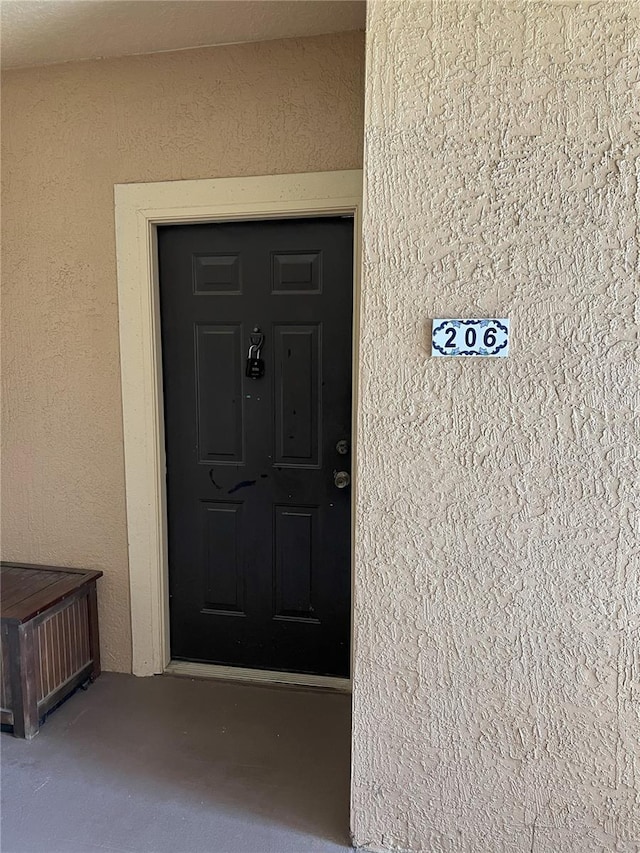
138 208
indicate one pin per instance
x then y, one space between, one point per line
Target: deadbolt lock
341 479
342 447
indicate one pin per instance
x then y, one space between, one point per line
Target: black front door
258 498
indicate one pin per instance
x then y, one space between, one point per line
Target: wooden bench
49 640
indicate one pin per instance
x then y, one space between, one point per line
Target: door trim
139 209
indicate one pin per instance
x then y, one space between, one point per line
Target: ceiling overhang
43 32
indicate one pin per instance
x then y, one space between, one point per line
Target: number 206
471 336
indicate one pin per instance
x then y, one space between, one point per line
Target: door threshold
262 676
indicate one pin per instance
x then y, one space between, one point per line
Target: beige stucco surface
497 679
70 132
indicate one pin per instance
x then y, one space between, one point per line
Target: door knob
341 479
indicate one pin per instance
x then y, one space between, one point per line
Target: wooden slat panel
93 635
75 637
68 656
5 674
43 680
63 646
51 655
24 682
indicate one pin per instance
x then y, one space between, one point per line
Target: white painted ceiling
42 32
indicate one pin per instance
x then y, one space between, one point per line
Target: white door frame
139 208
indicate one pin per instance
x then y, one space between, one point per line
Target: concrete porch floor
148 765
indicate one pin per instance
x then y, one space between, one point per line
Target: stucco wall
497 681
70 132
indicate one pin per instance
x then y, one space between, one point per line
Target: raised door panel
297 383
217 274
296 272
222 563
296 555
219 393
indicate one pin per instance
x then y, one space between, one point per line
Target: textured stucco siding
70 132
497 676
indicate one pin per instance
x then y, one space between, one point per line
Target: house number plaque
470 337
